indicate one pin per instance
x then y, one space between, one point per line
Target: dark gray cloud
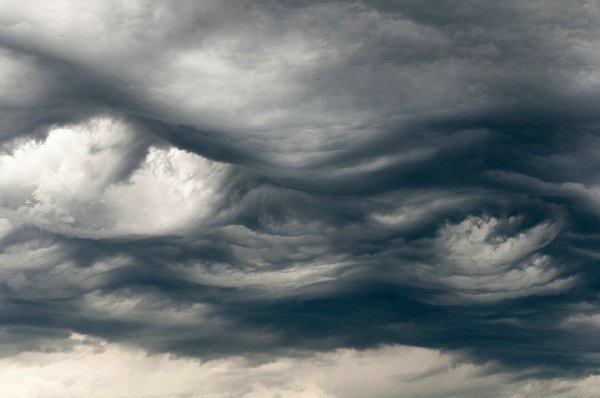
279 179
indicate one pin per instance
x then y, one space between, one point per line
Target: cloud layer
96 368
267 186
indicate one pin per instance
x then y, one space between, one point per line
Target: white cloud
96 368
171 190
480 259
82 181
534 276
473 247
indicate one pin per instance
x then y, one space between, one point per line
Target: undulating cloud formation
311 198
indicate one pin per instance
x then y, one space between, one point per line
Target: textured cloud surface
299 199
96 368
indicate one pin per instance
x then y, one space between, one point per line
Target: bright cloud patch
480 258
476 245
171 189
86 180
96 368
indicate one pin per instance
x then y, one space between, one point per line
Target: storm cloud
258 190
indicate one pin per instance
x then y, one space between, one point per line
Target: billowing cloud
93 180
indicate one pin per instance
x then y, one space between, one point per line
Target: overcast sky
299 199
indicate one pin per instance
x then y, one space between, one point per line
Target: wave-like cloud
258 185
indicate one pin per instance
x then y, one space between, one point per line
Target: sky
299 199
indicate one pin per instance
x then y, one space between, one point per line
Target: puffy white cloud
171 190
93 180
